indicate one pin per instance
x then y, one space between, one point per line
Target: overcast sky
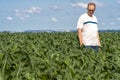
21 15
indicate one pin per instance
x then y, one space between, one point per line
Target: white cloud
118 19
118 1
81 5
18 14
54 19
9 18
55 7
98 4
22 14
33 10
22 18
17 10
84 5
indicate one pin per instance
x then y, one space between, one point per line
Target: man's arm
99 44
80 36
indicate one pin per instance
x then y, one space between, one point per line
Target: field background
57 56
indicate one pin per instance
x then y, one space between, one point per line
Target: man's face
91 9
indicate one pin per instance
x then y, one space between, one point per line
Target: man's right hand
81 46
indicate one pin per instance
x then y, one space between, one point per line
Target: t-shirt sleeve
80 23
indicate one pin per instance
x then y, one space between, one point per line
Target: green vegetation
57 56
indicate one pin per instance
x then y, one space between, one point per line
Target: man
87 29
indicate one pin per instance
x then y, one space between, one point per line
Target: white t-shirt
90 30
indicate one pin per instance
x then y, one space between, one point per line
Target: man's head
91 8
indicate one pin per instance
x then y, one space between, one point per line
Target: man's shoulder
83 15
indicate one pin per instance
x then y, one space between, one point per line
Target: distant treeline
34 31
68 31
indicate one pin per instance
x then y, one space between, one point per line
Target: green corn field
57 56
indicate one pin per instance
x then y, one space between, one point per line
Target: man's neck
90 14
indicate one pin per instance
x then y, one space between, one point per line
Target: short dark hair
91 4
